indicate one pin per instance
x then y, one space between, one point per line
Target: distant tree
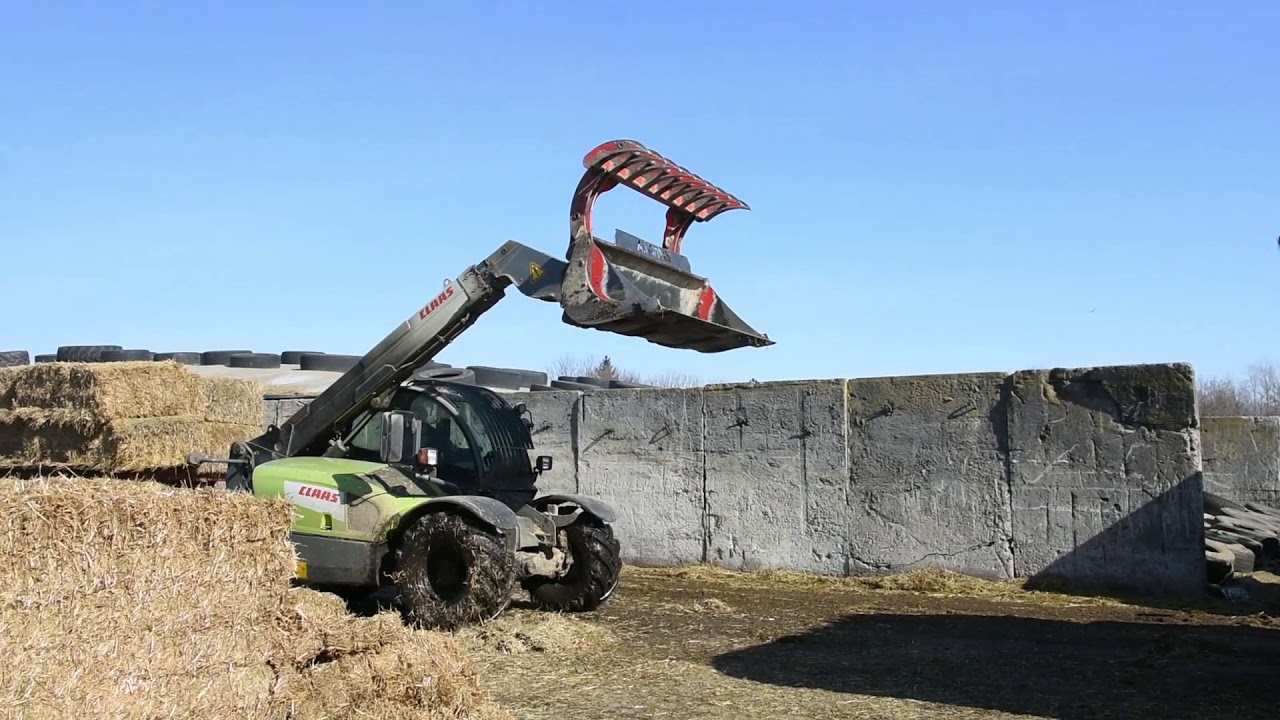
1257 393
605 369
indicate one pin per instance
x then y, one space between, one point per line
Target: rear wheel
593 575
452 572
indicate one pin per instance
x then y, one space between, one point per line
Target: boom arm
418 340
627 288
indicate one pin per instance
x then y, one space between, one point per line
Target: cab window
367 442
455 460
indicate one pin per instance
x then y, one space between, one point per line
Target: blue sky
935 187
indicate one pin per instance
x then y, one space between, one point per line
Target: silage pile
111 418
129 599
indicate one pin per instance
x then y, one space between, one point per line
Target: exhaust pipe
633 287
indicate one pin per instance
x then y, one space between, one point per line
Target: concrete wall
1242 458
1089 475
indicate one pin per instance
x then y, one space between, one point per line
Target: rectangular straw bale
110 391
32 438
128 599
232 400
8 376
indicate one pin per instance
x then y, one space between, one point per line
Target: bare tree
1257 393
605 369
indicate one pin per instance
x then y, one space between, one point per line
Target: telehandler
405 481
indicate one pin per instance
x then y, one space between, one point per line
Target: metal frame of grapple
642 289
688 198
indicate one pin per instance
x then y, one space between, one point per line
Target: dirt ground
702 643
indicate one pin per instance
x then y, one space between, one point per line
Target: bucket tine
636 288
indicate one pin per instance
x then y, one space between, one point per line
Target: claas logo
320 494
424 312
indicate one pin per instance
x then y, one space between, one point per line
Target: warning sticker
535 270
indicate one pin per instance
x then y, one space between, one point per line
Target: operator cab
465 437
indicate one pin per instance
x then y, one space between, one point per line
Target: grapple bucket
633 287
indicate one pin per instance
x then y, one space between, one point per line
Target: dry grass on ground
114 418
701 642
129 599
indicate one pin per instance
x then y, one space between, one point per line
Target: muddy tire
597 563
453 572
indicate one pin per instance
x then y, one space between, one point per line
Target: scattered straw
933 582
518 632
129 599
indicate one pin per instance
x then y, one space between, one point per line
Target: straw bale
64 438
234 401
8 376
111 390
129 599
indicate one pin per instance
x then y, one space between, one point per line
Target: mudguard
591 505
485 509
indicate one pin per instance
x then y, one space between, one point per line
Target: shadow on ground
1049 668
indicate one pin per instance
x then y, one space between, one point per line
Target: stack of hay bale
131 599
113 418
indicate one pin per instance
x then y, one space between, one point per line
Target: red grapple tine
627 162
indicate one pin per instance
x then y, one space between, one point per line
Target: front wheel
593 575
452 572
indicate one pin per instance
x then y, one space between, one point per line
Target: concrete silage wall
1242 458
1089 475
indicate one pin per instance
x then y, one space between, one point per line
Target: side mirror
401 436
523 411
543 463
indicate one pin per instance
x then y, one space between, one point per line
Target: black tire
45 358
452 572
182 358
587 380
126 356
538 387
14 358
266 361
220 357
327 363
623 384
593 576
83 353
460 376
570 385
504 378
294 357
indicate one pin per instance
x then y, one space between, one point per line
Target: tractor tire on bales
503 378
14 358
593 575
452 572
182 358
461 376
108 356
294 357
84 353
220 357
570 385
45 358
265 361
327 363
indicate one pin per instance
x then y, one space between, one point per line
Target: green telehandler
405 481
